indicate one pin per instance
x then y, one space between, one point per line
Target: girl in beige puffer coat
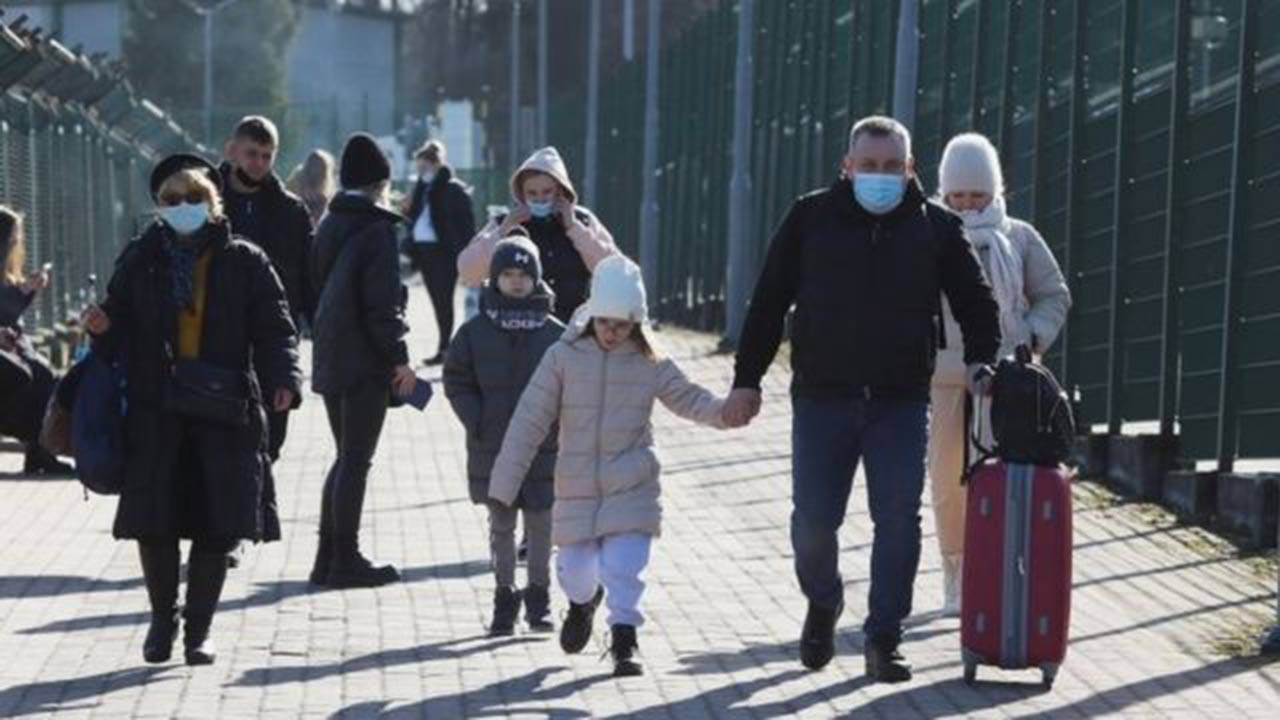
600 382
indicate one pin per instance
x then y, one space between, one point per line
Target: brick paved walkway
1154 603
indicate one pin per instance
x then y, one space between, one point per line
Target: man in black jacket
262 211
863 262
441 223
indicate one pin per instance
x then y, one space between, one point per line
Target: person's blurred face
426 168
961 201
253 158
515 283
611 333
881 155
539 188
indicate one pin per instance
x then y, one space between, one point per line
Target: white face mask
185 218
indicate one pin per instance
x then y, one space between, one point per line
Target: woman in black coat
192 312
28 380
359 356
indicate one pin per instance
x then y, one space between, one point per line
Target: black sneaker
506 608
818 638
350 569
537 609
623 649
576 631
884 662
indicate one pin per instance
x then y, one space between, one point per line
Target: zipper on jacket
604 388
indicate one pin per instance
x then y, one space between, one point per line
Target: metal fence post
740 190
1178 108
649 165
906 64
1120 191
592 145
1241 159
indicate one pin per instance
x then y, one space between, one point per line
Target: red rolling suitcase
1016 593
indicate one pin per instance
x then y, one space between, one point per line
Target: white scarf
989 230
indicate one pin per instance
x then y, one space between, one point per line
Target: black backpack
1031 418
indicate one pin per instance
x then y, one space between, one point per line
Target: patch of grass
1242 639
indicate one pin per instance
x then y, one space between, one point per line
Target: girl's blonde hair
194 180
14 246
637 336
315 175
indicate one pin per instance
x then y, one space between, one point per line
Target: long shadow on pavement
33 586
431 652
519 694
265 593
47 696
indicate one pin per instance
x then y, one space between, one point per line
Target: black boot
160 571
39 461
818 639
206 572
506 608
324 554
537 609
885 663
623 649
350 569
576 630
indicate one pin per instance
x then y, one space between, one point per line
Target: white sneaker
951 581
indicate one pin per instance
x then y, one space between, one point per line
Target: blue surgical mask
540 209
878 193
185 218
427 177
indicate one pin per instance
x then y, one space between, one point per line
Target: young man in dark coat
865 263
359 356
441 223
262 211
488 366
189 296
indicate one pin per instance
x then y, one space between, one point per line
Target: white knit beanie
970 163
617 291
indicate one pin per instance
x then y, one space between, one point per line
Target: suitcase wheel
970 673
1047 675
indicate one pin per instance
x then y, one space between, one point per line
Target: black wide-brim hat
177 163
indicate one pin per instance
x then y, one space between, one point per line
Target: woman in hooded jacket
1034 300
570 239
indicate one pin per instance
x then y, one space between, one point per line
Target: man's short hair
880 126
433 151
258 129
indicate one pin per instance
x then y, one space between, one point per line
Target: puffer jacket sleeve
460 384
382 297
592 240
473 261
536 414
1048 296
271 330
688 399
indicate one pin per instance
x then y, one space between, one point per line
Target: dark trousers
439 267
22 410
829 439
355 418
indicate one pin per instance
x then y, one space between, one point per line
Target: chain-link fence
76 145
1142 138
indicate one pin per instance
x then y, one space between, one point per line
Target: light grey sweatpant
502 544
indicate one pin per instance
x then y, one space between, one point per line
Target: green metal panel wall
1087 153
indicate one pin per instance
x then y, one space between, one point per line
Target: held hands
95 320
403 381
741 407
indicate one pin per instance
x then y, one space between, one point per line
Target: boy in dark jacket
487 367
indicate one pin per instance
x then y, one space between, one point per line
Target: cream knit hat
617 291
548 162
970 163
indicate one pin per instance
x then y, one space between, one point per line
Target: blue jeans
829 438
